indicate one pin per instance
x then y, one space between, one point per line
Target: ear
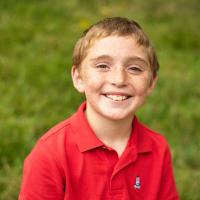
77 79
152 85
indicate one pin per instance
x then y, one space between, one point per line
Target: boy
103 152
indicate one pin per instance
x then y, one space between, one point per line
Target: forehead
117 47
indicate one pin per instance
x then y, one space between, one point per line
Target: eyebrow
102 57
136 58
127 60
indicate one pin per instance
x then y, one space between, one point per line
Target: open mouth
117 97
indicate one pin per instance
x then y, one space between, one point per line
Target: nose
118 77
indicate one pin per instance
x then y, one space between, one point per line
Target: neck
113 133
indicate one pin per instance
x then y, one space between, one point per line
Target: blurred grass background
36 42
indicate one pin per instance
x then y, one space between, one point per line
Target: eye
102 67
135 69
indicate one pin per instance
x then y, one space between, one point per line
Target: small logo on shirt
137 184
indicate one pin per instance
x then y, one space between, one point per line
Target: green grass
36 42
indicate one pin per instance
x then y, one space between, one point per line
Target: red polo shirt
70 163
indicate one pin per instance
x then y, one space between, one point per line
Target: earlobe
152 84
77 79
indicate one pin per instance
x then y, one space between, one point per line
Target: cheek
141 85
92 84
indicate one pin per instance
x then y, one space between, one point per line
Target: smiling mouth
117 97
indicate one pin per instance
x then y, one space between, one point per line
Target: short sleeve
42 177
168 189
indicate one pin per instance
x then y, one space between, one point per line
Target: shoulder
51 147
58 130
156 136
158 140
55 139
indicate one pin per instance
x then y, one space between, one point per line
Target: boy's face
115 77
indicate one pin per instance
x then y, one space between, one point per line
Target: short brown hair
114 26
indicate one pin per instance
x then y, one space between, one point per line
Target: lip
117 94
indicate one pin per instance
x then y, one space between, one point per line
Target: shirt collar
85 137
87 140
140 137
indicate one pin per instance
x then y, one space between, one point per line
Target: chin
117 116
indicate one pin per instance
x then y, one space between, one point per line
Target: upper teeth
117 97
